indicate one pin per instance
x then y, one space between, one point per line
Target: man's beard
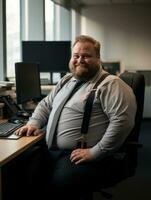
84 71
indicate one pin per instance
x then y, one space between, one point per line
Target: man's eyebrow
81 53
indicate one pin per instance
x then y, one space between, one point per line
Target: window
49 20
12 35
15 13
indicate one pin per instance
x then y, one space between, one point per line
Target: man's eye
83 56
87 56
75 56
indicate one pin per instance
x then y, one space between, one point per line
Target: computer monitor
27 82
112 67
52 56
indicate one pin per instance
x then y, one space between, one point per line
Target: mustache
82 65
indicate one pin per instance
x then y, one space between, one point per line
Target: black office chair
129 148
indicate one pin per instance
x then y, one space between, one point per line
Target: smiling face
84 62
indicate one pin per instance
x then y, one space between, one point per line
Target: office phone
12 111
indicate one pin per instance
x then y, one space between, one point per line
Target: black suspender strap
88 106
81 143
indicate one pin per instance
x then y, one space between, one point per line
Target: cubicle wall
147 100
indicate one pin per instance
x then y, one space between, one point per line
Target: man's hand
80 155
28 130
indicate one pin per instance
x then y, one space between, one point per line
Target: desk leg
0 183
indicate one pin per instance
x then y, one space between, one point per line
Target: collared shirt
112 116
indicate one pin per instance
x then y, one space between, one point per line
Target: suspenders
81 143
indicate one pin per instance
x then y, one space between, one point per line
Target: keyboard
8 128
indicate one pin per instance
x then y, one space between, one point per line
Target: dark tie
76 87
51 131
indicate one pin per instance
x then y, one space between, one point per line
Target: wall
125 35
124 32
147 98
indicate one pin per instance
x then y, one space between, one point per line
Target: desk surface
9 149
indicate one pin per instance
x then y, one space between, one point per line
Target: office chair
129 148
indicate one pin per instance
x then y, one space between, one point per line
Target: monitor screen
27 82
52 56
112 67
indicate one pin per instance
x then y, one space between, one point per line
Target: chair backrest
137 82
127 164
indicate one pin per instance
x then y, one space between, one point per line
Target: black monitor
52 56
27 82
112 67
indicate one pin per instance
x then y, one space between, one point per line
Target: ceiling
100 2
82 3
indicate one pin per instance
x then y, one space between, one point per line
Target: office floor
137 187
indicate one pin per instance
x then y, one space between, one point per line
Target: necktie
53 120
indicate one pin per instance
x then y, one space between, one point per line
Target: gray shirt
112 116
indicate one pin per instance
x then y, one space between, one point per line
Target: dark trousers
69 181
49 174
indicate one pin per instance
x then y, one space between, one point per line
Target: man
111 121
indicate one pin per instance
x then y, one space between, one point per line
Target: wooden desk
9 149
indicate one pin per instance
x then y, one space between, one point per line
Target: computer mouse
23 114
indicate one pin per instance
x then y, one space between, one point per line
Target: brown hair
85 38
